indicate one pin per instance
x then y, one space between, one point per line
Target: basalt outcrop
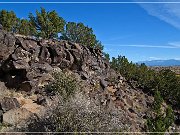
26 64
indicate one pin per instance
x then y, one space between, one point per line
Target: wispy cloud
145 46
175 44
117 38
154 58
169 13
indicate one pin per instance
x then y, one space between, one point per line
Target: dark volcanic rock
103 83
26 62
9 103
1 27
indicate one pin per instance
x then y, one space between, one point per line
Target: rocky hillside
104 98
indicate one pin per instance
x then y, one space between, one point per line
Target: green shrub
80 114
64 84
161 120
165 81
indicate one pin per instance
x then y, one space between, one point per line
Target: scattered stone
131 110
129 101
111 89
103 83
119 104
44 101
84 75
113 98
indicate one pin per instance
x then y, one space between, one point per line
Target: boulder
69 57
119 104
26 44
21 64
76 54
9 103
64 64
44 55
44 101
7 42
21 54
9 39
103 83
111 90
3 89
1 27
26 86
16 115
42 67
84 75
44 80
129 101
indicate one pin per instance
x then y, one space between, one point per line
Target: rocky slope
26 67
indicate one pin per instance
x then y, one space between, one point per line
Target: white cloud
154 58
175 44
170 13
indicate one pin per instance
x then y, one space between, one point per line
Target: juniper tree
47 24
79 33
8 20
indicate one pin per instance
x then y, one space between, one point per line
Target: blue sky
138 31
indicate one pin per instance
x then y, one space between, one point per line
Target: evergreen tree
169 86
79 33
25 27
8 20
47 24
161 121
106 55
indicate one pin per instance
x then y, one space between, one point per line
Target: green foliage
99 45
169 86
165 81
161 121
122 65
158 100
64 84
47 24
79 33
25 27
106 55
8 20
79 114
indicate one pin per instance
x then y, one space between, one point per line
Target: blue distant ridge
170 62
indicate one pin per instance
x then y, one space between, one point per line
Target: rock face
26 64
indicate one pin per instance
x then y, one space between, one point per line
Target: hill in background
170 62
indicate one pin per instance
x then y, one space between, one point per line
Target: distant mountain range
170 62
